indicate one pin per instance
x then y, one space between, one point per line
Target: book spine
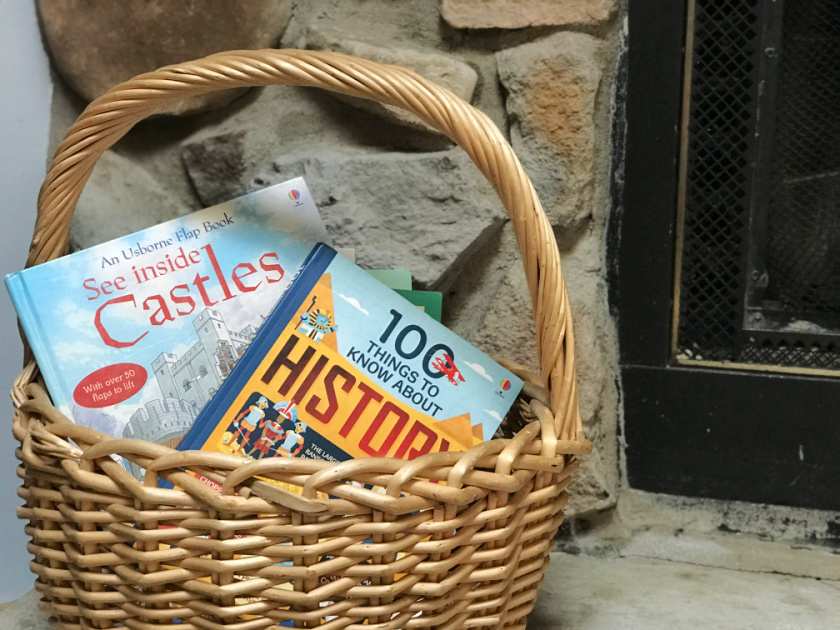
309 273
35 334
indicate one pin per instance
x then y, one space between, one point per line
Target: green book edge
400 281
430 301
393 278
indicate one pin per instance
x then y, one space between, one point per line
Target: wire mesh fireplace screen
758 256
803 244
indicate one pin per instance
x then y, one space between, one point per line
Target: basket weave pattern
448 540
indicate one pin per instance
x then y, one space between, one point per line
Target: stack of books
238 329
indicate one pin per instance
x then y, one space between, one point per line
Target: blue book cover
134 336
344 368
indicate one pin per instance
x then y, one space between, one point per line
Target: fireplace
726 245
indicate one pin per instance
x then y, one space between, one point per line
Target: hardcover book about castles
345 368
134 336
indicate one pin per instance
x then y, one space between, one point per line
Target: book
394 278
345 368
135 335
430 302
348 252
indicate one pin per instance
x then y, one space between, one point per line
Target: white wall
25 96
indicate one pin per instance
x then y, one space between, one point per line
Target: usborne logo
294 194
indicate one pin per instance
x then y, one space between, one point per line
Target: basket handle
110 117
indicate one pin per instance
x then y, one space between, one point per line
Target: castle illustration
188 382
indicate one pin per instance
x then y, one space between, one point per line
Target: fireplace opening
757 282
803 226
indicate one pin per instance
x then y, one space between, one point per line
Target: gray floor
635 592
587 593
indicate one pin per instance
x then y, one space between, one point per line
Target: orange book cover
346 368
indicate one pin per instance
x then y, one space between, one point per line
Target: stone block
120 198
424 212
216 167
510 14
446 70
552 85
96 45
471 297
508 328
596 353
590 490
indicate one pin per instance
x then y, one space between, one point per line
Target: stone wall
544 71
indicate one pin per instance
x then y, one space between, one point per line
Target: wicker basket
412 552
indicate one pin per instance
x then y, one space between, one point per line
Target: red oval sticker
110 385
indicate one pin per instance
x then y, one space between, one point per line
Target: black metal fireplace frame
690 429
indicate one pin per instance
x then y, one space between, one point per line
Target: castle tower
211 328
203 364
164 367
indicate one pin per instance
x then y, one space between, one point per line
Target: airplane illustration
446 366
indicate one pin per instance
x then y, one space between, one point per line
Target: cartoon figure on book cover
272 431
316 323
245 423
292 439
